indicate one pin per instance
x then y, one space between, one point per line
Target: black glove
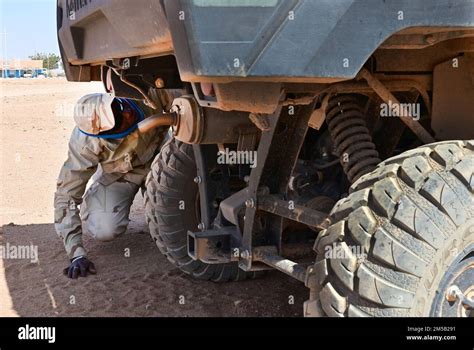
80 266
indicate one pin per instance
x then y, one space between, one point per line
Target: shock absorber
352 139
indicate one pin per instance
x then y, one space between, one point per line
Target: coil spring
353 143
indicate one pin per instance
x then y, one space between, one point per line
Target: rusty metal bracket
277 154
124 79
214 246
268 255
388 97
273 204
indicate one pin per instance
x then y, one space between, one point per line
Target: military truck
329 140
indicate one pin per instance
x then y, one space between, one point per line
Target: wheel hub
456 297
466 300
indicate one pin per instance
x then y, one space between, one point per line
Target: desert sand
35 124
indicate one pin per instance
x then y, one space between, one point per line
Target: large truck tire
169 185
403 236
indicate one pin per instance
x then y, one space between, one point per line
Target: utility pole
4 54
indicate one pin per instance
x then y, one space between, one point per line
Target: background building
22 69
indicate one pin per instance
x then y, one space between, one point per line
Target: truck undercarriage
280 160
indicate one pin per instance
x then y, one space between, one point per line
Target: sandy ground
35 124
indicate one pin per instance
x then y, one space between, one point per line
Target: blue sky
30 27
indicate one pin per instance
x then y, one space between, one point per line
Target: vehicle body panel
281 40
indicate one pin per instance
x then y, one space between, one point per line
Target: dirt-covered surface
133 278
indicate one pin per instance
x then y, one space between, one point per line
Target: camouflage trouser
105 209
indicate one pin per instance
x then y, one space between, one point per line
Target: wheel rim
456 290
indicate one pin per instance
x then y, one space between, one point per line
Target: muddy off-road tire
170 181
397 234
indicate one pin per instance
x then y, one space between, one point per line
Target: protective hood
93 113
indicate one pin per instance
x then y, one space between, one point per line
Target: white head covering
93 113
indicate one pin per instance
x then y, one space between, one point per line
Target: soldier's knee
105 226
